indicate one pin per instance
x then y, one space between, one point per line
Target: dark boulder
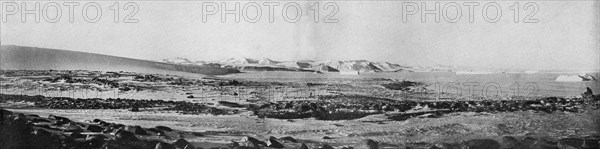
154 130
162 145
197 134
481 144
43 139
591 144
542 143
570 143
76 134
95 141
181 144
509 142
272 142
527 142
135 109
32 115
94 128
4 112
163 128
288 138
117 126
251 142
122 135
39 120
230 104
137 130
368 144
234 144
97 121
72 127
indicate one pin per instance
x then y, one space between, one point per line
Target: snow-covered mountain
237 61
266 64
267 61
178 60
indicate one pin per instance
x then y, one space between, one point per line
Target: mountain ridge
361 66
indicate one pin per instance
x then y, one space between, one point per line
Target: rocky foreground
19 130
53 132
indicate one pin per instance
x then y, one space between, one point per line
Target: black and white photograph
299 74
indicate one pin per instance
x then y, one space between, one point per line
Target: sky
559 35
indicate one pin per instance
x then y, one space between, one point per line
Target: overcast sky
566 36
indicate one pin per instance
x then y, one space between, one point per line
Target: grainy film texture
300 74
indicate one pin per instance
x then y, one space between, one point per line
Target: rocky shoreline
329 107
